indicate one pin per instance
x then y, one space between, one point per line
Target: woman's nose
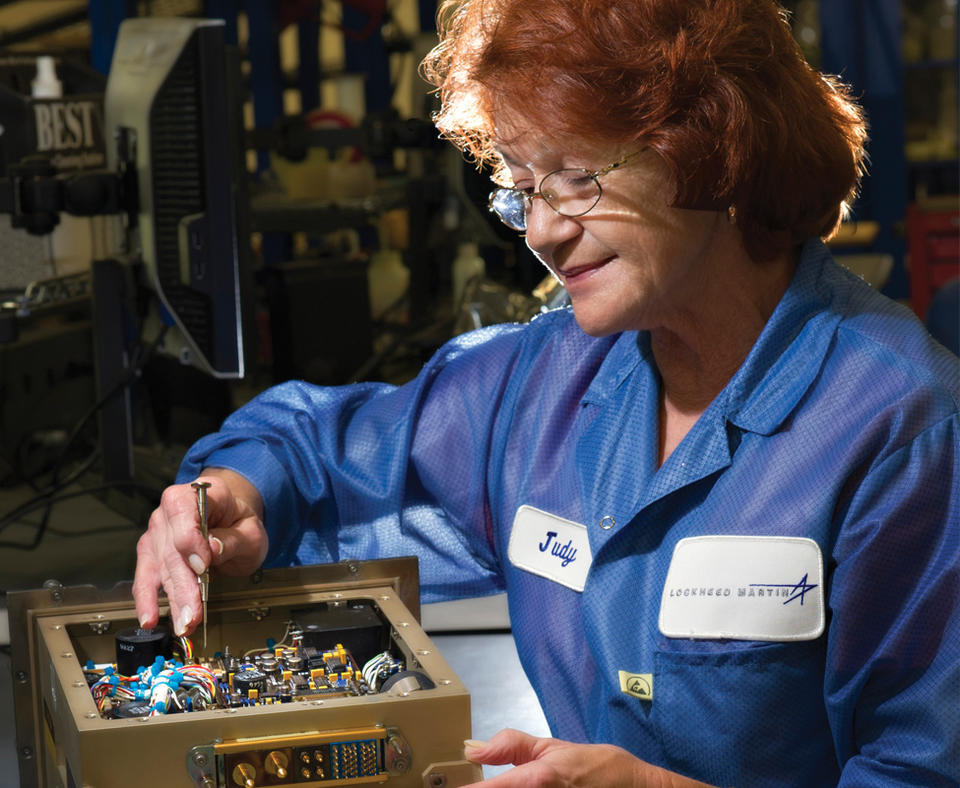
546 229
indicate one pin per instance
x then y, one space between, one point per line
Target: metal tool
204 578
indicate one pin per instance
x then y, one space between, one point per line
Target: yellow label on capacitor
640 685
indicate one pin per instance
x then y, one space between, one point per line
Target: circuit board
169 679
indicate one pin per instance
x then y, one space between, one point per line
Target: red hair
718 88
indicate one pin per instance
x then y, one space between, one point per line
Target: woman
721 493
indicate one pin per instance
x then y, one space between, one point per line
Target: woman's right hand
172 552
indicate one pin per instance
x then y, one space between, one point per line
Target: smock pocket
744 712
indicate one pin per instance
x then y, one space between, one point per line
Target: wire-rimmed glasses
570 192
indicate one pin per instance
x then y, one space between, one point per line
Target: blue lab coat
840 427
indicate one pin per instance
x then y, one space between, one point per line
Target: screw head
55 588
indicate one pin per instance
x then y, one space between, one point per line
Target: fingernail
470 746
196 564
143 621
216 545
186 616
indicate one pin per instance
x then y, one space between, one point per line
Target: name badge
744 588
550 546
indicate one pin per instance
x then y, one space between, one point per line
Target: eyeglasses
570 192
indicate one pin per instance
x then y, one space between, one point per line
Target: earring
732 214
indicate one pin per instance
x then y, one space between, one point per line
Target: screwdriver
203 579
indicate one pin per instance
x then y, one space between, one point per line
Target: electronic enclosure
309 728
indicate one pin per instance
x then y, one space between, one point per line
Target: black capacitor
249 679
135 708
140 647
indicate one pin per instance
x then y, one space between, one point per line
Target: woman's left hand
551 763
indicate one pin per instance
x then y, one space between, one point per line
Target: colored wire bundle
163 686
378 668
110 686
187 647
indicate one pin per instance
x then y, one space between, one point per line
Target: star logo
798 590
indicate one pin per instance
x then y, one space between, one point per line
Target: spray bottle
387 276
70 245
467 265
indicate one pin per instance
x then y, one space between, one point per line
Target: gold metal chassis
59 730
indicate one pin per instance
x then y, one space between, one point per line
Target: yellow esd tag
640 685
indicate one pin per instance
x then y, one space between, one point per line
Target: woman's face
633 262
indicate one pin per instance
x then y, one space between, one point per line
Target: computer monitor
172 109
172 120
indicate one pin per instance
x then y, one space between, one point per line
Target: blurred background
353 242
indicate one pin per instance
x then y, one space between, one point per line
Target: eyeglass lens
510 206
569 192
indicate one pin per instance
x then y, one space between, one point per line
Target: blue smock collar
769 385
777 371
